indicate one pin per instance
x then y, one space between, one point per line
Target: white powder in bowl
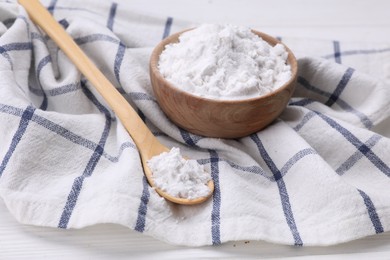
179 177
224 62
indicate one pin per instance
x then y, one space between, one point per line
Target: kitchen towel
318 175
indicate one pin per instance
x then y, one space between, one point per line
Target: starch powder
179 177
224 62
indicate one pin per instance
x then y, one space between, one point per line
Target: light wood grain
219 118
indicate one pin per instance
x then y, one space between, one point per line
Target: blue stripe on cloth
93 161
216 211
64 23
344 105
336 48
123 146
5 54
363 148
188 138
76 139
167 27
376 222
301 102
80 41
52 6
79 140
16 46
141 115
143 207
72 198
42 63
8 22
285 200
64 89
291 162
65 133
76 188
158 133
25 20
111 16
15 111
358 52
256 169
56 91
121 90
306 84
353 159
340 87
24 121
118 62
39 37
95 37
94 100
304 120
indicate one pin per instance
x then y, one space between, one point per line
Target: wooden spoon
147 143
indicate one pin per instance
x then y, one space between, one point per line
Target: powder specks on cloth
318 175
224 62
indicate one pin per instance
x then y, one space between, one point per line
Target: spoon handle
147 144
140 133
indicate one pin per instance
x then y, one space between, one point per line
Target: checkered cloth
319 175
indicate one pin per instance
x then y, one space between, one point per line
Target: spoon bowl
147 144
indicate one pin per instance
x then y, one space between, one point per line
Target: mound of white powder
224 62
179 177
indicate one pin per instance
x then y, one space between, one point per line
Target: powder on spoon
179 177
224 62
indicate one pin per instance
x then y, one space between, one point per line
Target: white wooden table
351 20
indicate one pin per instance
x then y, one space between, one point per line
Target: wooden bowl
219 118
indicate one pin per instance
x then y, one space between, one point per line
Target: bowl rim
154 59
